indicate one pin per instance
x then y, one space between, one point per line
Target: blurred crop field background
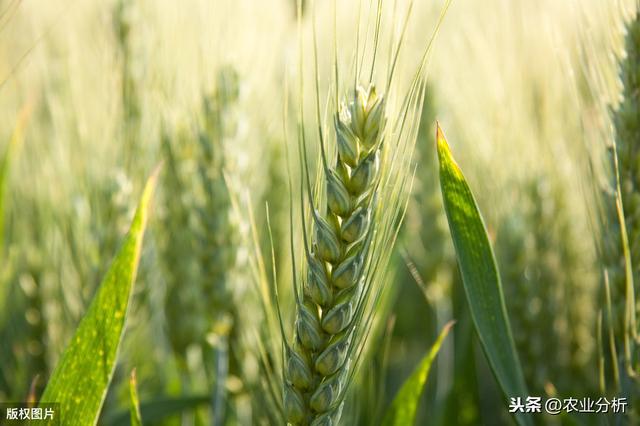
534 97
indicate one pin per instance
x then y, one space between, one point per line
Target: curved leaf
405 404
480 276
80 381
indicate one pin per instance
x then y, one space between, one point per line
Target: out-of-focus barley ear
622 229
544 286
125 20
432 252
627 126
203 288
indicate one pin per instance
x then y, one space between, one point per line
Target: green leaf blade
480 276
80 381
404 407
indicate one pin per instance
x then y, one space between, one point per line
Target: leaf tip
133 380
441 141
155 173
448 326
151 184
446 160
